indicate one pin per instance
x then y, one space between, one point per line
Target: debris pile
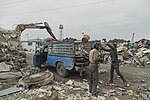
18 81
140 58
143 92
135 54
12 59
40 85
71 90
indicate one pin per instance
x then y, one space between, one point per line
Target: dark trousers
93 78
115 66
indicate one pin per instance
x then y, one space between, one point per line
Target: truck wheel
61 70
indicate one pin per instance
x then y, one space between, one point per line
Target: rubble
102 71
139 59
70 82
29 70
130 92
71 89
10 90
7 76
58 88
74 90
135 54
11 59
4 67
115 98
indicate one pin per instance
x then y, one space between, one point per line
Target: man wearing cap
93 69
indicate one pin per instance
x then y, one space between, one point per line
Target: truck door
37 58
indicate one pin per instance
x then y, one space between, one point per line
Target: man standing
114 63
93 69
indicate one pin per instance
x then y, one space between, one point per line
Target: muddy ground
137 78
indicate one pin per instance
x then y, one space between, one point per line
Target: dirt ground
136 77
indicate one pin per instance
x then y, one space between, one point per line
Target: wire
3 4
59 8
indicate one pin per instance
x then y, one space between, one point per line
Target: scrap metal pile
12 61
139 57
11 58
131 54
19 81
67 90
16 75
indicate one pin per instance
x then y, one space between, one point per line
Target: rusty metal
39 78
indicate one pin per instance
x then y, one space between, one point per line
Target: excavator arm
21 27
49 30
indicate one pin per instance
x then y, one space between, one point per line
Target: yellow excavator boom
21 27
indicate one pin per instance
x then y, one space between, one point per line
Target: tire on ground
61 70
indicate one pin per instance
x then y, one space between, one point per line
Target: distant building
31 44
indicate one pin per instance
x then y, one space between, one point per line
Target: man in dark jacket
114 63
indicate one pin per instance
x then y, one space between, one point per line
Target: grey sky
99 18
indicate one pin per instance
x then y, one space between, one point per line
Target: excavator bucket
49 30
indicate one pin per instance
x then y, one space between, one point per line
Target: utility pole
61 29
132 40
27 37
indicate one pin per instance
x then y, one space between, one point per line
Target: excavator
14 35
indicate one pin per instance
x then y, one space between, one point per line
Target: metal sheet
10 90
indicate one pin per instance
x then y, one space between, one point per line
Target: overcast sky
98 18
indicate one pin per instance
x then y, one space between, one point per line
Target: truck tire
37 79
61 70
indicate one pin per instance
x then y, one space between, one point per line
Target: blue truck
65 56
